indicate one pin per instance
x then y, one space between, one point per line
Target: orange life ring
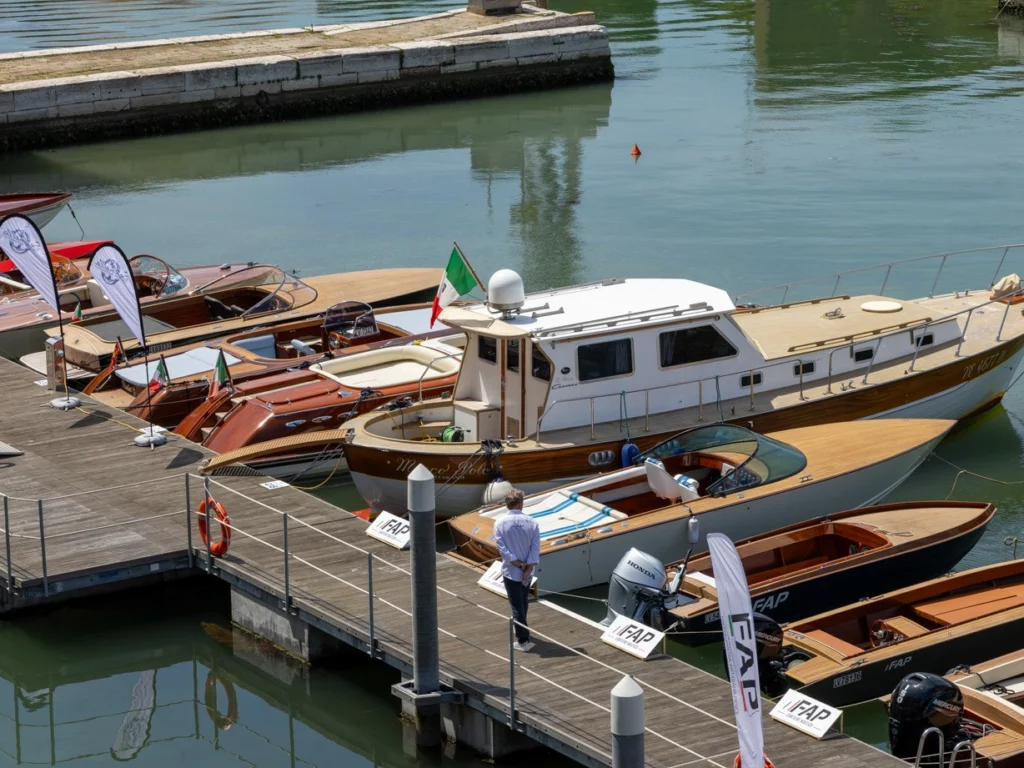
221 722
767 763
217 548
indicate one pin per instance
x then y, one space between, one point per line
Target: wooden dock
91 536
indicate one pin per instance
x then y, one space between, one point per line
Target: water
780 139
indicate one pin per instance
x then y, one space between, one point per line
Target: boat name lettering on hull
853 677
762 604
464 468
974 369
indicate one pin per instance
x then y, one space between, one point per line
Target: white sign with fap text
633 637
805 714
390 529
493 581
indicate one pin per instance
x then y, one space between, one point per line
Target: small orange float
217 548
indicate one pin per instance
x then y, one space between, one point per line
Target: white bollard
423 540
627 724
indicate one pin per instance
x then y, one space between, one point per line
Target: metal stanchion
188 520
42 551
369 591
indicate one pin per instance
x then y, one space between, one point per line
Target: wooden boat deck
108 539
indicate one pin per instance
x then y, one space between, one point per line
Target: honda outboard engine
922 701
637 589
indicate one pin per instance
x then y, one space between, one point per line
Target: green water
780 139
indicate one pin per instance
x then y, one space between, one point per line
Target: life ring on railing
767 763
217 548
220 722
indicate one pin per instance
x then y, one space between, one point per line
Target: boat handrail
802 362
923 740
430 366
964 746
784 287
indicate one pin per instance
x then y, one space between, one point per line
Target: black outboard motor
922 701
772 658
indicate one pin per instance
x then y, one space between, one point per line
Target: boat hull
592 562
951 392
828 591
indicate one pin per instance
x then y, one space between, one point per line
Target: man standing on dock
518 539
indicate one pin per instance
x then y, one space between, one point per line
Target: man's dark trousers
518 593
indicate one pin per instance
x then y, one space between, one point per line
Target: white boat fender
693 529
494 491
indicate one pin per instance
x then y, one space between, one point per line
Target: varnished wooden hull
954 391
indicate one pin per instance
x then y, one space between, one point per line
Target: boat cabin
625 348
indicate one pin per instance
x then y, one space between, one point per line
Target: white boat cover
561 512
412 321
191 363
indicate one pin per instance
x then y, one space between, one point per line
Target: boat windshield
282 291
65 271
164 279
758 459
352 319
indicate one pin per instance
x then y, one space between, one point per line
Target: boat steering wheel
878 633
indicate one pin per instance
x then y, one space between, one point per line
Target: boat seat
906 627
664 485
955 610
834 643
260 346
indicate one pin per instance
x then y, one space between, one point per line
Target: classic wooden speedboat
831 561
861 651
24 318
255 297
565 378
41 207
68 262
734 481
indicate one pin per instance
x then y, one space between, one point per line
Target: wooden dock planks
562 687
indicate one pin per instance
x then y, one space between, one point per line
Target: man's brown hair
514 499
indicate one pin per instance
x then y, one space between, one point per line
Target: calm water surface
781 139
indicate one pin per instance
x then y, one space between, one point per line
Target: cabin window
487 349
745 380
541 366
925 339
512 348
803 368
693 345
604 360
863 355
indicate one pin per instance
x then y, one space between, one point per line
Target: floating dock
87 511
68 95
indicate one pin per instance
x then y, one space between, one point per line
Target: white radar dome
505 291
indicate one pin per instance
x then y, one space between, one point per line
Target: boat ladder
966 747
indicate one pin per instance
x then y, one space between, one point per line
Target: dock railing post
42 551
287 575
627 724
7 547
208 507
426 678
999 334
511 673
188 521
369 594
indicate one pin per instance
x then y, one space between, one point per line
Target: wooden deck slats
560 690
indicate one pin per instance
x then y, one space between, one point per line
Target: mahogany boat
255 297
861 651
68 262
566 378
41 207
830 561
733 480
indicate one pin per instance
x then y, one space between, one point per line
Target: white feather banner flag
740 646
22 242
109 268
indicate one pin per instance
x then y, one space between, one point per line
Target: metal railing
917 331
888 267
430 366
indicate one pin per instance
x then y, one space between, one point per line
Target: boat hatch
756 459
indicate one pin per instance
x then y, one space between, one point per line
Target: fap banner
740 647
109 267
23 243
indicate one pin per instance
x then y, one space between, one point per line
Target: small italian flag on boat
221 376
160 378
458 280
77 316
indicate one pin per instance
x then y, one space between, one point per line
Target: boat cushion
955 610
111 329
261 346
831 641
182 365
560 512
665 486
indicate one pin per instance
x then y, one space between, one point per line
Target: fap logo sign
493 581
633 637
390 529
805 714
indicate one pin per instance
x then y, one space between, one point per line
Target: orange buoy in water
767 763
635 152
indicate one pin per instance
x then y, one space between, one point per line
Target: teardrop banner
22 242
740 646
109 268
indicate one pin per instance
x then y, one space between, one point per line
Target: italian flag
221 375
458 280
160 378
77 316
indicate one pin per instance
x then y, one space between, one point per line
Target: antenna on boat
24 245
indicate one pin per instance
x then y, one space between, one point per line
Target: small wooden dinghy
981 705
808 568
861 651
